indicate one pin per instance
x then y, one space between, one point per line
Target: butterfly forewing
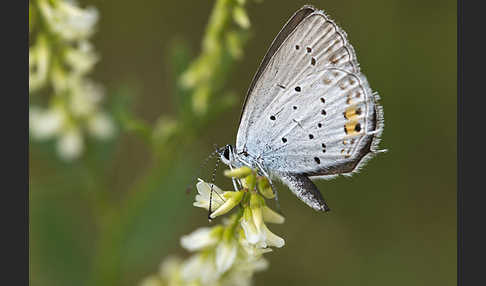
309 42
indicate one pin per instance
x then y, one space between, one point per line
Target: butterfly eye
226 154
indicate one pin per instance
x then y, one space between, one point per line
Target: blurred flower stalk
66 107
67 104
201 92
231 252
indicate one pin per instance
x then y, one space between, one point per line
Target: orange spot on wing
352 113
350 127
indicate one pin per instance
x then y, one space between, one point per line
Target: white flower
272 239
230 253
225 255
232 199
256 232
245 269
250 249
81 59
201 238
44 124
67 20
253 233
170 271
271 216
202 198
101 126
170 265
242 272
85 96
200 268
70 145
58 60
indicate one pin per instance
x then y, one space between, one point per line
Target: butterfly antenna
203 165
213 178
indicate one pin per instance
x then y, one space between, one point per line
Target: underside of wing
326 128
305 190
309 42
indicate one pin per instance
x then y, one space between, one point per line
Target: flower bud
265 188
232 200
238 173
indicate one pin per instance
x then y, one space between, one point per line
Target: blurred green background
392 224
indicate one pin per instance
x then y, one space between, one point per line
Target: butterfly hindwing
322 129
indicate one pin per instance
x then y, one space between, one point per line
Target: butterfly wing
310 112
325 129
330 127
309 41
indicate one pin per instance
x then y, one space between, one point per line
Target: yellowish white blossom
199 268
272 239
68 20
85 96
60 58
201 238
81 58
253 232
231 252
70 144
272 216
204 195
44 124
225 254
231 200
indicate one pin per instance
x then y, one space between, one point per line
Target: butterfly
309 112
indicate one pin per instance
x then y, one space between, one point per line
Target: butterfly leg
274 190
305 190
236 182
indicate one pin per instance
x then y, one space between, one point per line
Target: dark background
392 224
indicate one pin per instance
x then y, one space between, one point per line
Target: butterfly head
227 155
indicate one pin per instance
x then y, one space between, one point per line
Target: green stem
115 222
